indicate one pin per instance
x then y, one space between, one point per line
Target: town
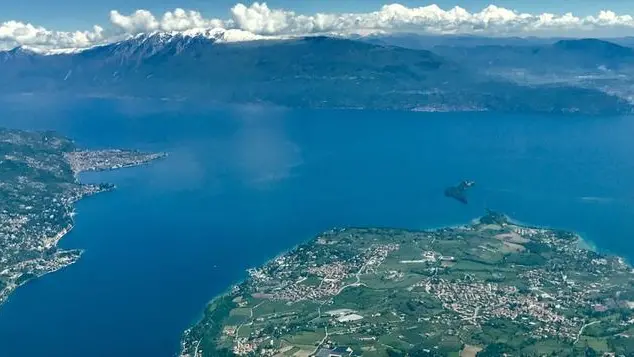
38 189
446 292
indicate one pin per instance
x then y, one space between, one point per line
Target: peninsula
489 288
38 187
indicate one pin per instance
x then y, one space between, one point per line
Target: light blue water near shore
243 184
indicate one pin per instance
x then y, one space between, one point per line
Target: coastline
183 352
4 297
146 161
6 293
56 260
583 242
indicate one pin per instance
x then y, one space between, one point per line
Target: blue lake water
242 184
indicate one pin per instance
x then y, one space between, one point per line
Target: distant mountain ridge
316 72
428 42
577 54
596 46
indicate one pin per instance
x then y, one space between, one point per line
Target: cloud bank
259 20
15 33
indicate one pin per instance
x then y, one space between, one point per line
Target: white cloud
15 33
492 20
181 20
178 20
258 20
139 21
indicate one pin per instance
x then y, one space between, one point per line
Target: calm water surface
242 184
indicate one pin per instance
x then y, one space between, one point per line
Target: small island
489 288
459 192
38 187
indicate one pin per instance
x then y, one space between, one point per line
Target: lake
244 183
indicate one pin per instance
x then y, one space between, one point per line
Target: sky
77 14
85 23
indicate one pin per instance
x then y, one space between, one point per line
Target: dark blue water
242 184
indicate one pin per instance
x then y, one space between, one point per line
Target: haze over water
242 184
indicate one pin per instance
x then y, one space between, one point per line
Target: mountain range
315 72
561 56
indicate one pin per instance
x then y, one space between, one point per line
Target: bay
244 183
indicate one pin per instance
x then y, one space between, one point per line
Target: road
250 317
357 276
322 341
583 328
196 349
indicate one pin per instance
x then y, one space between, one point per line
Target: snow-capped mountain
16 53
216 35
